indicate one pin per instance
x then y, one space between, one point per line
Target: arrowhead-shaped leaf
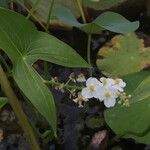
24 45
108 20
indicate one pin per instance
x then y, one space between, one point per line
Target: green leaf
43 9
48 48
142 91
3 102
133 80
101 4
24 45
108 20
133 121
121 51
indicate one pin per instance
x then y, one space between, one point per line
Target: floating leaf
133 80
133 121
108 20
142 91
24 45
3 101
124 54
101 4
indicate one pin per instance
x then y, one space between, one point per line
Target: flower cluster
105 90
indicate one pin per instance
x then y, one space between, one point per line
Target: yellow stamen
107 94
104 81
91 87
117 81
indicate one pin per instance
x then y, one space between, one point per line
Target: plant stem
11 5
47 27
81 10
89 52
49 14
33 8
14 102
45 70
5 64
36 19
50 82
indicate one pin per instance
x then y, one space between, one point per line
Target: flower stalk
35 5
89 52
49 14
14 102
47 30
81 10
50 82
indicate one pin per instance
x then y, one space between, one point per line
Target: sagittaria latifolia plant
24 45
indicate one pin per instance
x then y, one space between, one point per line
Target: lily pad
123 55
133 121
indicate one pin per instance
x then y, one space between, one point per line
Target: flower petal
117 87
110 102
86 93
100 93
122 84
92 81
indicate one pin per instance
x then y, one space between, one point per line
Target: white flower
119 85
108 95
107 81
91 89
81 78
80 99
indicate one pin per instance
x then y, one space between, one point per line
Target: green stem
81 10
11 5
14 102
34 7
89 52
47 27
50 82
49 14
34 17
45 70
5 64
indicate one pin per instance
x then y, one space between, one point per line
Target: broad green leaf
24 45
142 91
3 101
43 9
48 48
36 91
108 20
133 121
101 4
133 80
124 54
